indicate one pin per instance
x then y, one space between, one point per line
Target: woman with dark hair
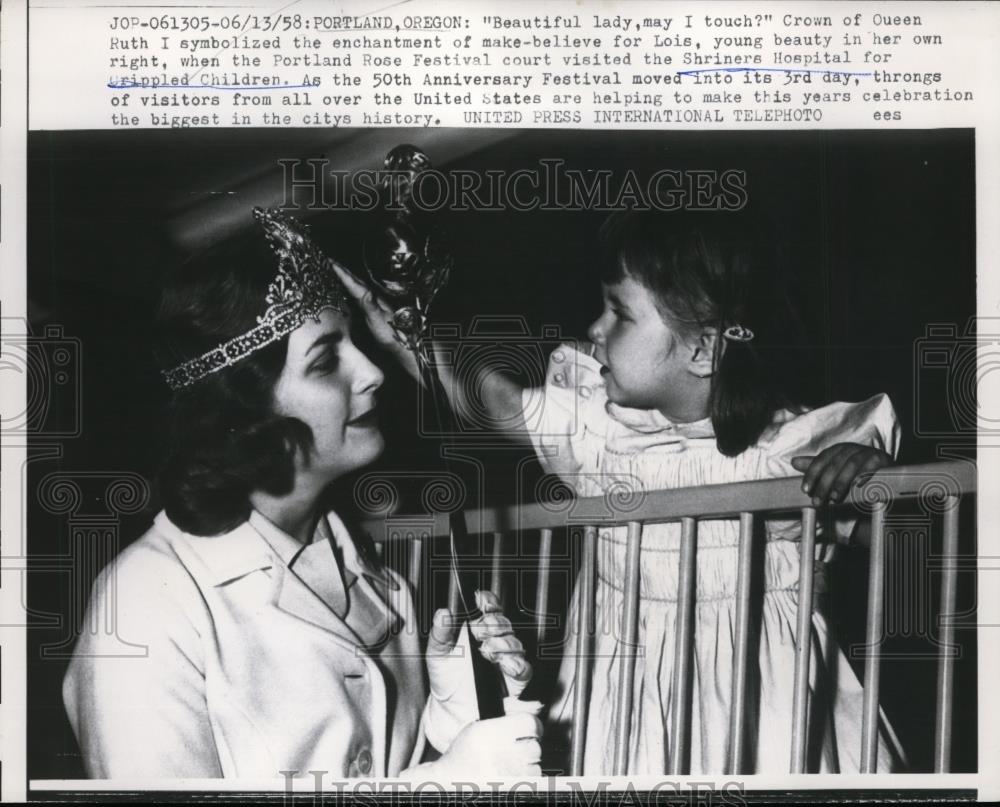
274 642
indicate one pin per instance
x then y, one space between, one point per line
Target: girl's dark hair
712 269
224 440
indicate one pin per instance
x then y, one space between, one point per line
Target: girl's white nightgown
594 445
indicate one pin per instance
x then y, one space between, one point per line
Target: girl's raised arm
500 395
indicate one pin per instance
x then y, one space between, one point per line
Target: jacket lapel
374 592
291 593
303 575
294 597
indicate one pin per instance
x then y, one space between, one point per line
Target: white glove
502 746
452 704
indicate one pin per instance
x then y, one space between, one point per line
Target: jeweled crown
304 286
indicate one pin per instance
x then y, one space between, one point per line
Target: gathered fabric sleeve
872 423
566 417
135 695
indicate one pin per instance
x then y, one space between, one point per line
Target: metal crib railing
942 484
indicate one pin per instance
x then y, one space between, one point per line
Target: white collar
227 556
652 421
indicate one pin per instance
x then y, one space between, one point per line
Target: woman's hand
830 474
502 746
498 644
452 704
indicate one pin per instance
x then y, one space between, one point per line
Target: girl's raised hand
830 474
377 313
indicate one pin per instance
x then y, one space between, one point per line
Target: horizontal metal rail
707 501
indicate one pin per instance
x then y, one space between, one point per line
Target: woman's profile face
330 385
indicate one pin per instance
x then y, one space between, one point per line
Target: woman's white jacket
232 656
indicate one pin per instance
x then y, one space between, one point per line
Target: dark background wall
876 229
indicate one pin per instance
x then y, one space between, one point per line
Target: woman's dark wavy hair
712 269
224 440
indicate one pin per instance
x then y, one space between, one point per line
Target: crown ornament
304 286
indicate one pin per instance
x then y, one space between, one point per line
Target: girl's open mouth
369 418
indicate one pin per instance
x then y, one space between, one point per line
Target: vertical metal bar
453 601
628 646
946 662
873 640
496 580
737 713
584 628
413 569
683 646
542 586
803 641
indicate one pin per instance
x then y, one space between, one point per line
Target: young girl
676 390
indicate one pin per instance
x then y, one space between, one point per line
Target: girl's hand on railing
828 476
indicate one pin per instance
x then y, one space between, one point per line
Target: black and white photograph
449 455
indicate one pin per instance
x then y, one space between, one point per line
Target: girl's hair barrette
737 333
